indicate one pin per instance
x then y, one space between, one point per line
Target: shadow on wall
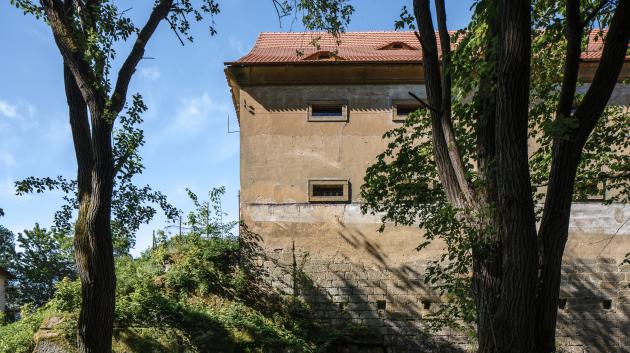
379 307
295 99
373 308
594 306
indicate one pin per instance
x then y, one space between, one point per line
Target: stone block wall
388 304
594 306
334 257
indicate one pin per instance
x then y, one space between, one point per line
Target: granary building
4 278
311 121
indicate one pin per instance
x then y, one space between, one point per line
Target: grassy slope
187 295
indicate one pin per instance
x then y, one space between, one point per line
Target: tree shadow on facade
594 306
380 307
370 308
593 310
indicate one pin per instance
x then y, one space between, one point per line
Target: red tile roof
353 47
273 48
595 46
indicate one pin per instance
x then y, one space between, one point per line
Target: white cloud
198 113
20 115
150 72
193 118
7 109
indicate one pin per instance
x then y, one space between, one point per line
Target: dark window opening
327 110
342 306
607 304
327 190
562 303
404 110
426 304
381 304
397 46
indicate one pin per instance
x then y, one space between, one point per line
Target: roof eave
234 92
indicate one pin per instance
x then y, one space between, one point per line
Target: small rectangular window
328 111
595 193
328 191
402 108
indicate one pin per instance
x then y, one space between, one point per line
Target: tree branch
447 155
605 79
424 104
80 126
595 12
70 50
573 33
447 122
118 164
433 84
119 95
175 31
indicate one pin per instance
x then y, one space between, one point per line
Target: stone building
4 278
311 121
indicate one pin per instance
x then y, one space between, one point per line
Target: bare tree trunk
94 251
93 238
486 278
516 311
447 173
554 233
567 154
514 324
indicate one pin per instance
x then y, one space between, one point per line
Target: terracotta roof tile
353 46
361 47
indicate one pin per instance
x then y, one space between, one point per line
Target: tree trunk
486 278
567 153
486 287
93 237
95 260
433 84
554 232
515 320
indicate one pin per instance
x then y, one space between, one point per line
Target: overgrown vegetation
188 294
198 291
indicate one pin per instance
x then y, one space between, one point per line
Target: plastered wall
281 150
2 293
349 271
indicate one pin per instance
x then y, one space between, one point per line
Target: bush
17 337
186 295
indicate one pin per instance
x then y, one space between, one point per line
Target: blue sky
187 144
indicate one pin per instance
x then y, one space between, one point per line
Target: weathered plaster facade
4 278
351 271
